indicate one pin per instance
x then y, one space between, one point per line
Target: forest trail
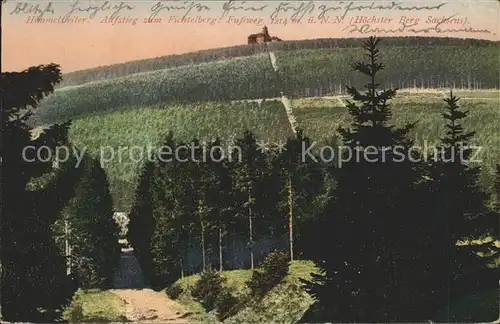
286 102
142 304
149 306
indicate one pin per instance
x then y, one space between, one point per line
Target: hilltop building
262 37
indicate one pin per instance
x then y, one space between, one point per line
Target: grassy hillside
285 303
175 60
148 125
250 77
95 306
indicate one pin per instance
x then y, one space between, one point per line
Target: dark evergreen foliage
208 289
226 304
141 223
366 239
301 185
174 291
93 233
248 182
396 239
34 283
272 270
461 208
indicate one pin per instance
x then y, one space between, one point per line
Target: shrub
208 288
273 269
73 314
226 304
174 291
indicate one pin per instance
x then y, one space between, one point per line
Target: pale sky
93 43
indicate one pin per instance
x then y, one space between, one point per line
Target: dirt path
286 102
149 306
143 304
289 112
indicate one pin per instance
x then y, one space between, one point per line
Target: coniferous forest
395 235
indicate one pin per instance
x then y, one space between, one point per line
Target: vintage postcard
250 161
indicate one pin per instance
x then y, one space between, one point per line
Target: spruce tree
366 234
33 278
219 194
93 232
248 178
198 186
301 181
172 212
460 205
141 223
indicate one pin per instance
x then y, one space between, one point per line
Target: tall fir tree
141 223
172 211
93 232
301 182
219 194
366 235
460 205
249 169
33 278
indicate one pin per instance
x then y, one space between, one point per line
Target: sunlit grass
285 303
95 306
